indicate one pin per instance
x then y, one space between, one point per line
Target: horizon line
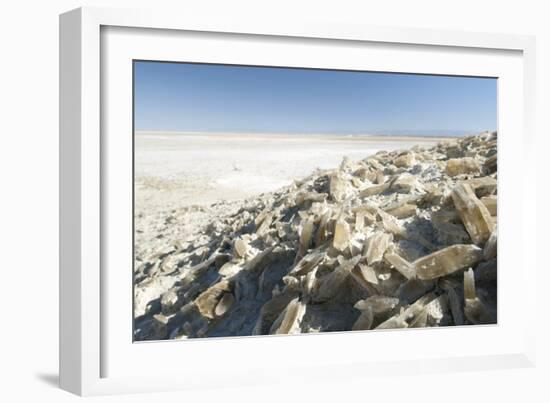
405 133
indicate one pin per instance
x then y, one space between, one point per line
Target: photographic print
275 200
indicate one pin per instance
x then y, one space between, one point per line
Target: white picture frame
88 339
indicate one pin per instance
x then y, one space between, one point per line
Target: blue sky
220 98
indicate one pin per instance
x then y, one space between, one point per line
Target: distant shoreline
350 136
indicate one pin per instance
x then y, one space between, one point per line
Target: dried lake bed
182 169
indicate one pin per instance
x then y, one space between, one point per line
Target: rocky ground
397 240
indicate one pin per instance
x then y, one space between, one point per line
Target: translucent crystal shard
310 196
404 183
475 216
360 277
374 190
380 177
483 186
342 235
490 250
476 312
271 310
421 320
447 261
321 235
490 164
377 303
265 224
491 204
368 273
405 160
364 321
241 247
208 300
339 187
332 282
459 166
469 285
229 270
375 246
308 283
408 315
224 304
456 306
404 211
359 221
390 224
289 320
401 265
261 259
474 309
395 322
305 235
437 311
365 172
308 262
